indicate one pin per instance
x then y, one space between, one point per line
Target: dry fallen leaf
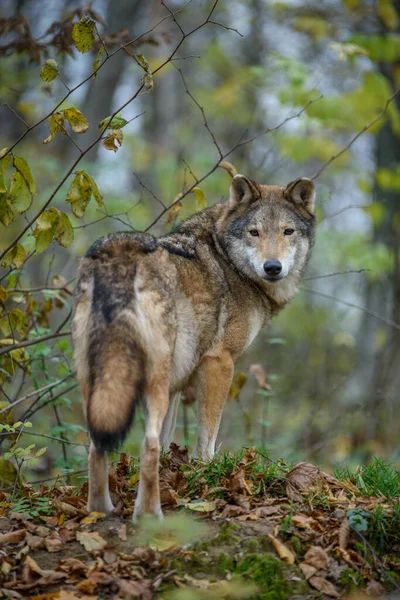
91 540
12 537
122 533
317 557
284 553
302 521
308 570
53 543
92 518
324 586
344 531
202 506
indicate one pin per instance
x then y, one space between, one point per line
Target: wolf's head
268 231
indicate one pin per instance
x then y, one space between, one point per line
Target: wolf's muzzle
273 268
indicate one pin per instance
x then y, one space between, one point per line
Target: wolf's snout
272 267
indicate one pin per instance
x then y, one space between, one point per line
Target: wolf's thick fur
155 315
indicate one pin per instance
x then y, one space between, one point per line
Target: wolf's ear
242 191
302 193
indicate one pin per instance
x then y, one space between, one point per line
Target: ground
241 526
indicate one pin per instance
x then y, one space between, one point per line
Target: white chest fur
256 321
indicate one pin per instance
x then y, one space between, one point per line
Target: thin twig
26 343
367 311
41 390
353 139
334 274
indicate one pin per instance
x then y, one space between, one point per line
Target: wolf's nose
272 267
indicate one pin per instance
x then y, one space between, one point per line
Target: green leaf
56 122
83 34
388 14
79 194
65 233
147 77
96 63
95 190
49 71
113 137
45 229
117 122
15 257
20 195
3 166
14 320
22 166
75 118
6 211
3 294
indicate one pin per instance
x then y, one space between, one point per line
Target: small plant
22 456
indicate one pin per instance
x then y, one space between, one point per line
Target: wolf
155 315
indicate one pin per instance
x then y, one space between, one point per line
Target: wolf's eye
254 232
288 232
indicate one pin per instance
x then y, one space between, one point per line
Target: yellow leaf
83 34
201 201
56 122
49 71
202 506
174 211
22 166
113 137
284 553
229 168
75 118
96 63
93 517
91 540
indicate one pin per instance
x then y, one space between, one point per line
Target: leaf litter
217 515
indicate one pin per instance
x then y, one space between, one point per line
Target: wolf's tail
116 364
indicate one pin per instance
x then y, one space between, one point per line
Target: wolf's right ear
243 191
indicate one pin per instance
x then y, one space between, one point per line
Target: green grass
377 479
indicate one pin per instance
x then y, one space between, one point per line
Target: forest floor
241 526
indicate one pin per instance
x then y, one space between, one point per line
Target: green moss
271 575
296 545
225 563
252 545
351 579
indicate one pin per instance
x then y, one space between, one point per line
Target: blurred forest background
321 383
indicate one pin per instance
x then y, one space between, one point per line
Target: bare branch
353 139
367 311
43 390
334 274
26 343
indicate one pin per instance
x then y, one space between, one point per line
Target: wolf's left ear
302 193
242 191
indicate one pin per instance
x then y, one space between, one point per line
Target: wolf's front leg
214 378
99 494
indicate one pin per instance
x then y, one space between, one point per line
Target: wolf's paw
139 515
101 505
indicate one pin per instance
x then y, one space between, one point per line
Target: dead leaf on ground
231 510
306 477
318 558
12 537
374 588
202 506
122 533
302 521
284 553
179 456
92 518
323 585
343 535
53 543
34 541
308 570
91 540
130 590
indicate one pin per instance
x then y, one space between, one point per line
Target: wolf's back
112 360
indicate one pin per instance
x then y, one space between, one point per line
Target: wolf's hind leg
169 424
214 378
99 495
157 400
